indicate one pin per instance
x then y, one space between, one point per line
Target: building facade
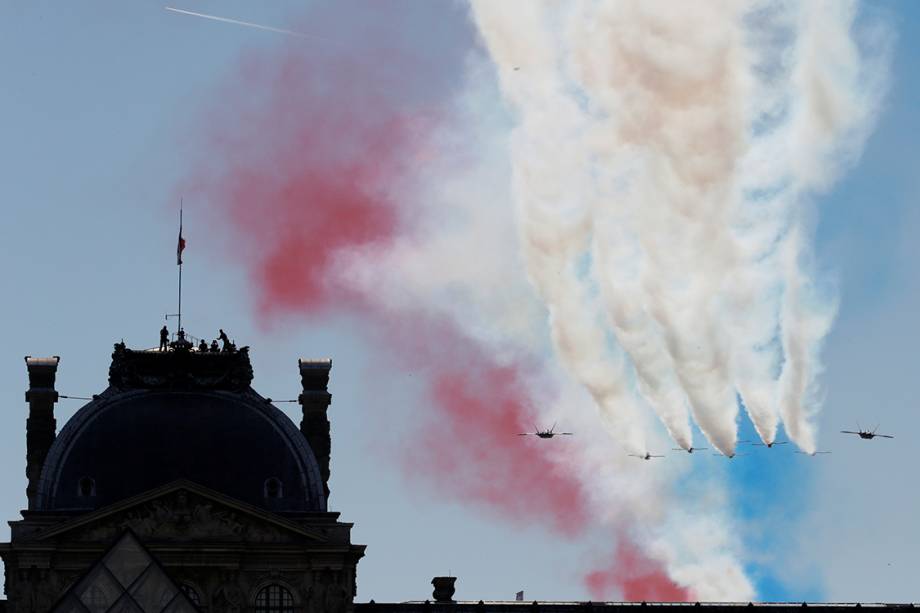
217 485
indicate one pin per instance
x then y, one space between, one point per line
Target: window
274 599
192 594
273 488
86 487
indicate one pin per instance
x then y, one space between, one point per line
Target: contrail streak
241 23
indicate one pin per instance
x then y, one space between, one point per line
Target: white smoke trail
662 158
468 267
672 146
657 216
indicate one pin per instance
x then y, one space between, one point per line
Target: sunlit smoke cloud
384 189
319 177
664 159
335 195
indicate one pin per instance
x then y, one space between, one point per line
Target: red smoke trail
305 158
309 173
636 576
470 448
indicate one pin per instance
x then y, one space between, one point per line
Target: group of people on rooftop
226 345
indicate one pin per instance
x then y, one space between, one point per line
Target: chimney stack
315 400
41 426
443 589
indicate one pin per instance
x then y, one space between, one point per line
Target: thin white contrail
241 23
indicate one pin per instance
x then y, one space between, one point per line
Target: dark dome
124 443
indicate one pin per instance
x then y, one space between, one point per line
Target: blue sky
98 100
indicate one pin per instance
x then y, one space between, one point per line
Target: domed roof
128 441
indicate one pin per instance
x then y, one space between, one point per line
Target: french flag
181 246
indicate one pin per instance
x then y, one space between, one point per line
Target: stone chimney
443 589
41 426
315 400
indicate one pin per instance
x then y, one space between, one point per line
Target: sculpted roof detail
182 511
181 368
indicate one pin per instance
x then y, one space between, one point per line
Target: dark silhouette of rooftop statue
164 338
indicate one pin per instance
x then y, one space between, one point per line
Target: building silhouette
179 488
197 475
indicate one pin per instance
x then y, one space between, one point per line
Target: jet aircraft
866 434
690 449
545 433
771 443
647 456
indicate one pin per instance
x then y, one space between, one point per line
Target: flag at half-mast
181 246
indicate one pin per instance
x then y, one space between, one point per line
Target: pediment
182 511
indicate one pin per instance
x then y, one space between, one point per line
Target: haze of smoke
638 579
672 146
464 265
318 193
316 199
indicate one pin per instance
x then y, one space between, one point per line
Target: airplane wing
884 436
565 433
524 434
848 432
655 456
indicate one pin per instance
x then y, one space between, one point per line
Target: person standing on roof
164 338
225 340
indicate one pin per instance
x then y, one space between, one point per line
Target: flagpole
180 267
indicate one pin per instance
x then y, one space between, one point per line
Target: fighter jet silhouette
770 444
866 434
545 433
730 456
647 456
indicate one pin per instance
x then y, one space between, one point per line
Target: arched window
274 599
192 594
86 487
273 488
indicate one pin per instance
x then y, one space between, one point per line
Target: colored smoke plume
664 161
302 176
635 576
376 189
309 177
482 404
